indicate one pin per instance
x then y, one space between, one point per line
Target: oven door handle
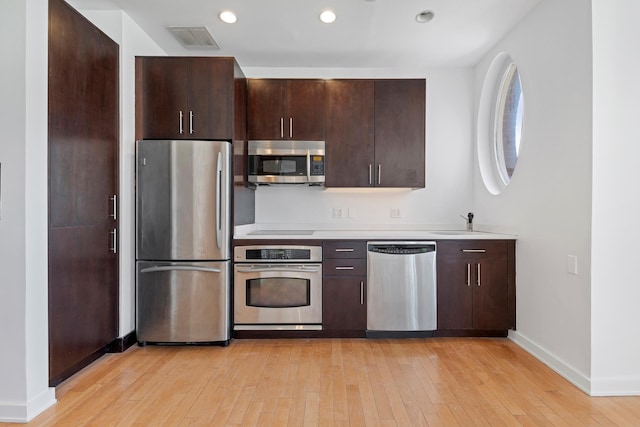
279 269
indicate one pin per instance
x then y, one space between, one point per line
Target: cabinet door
490 294
210 98
400 133
344 304
164 97
306 108
266 109
349 133
83 166
455 304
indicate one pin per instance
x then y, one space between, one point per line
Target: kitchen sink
284 232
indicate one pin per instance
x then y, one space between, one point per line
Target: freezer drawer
180 302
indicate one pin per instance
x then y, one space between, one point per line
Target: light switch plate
572 264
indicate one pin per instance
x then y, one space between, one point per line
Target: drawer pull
474 251
345 268
344 250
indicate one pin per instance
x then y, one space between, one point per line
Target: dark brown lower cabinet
344 305
344 285
83 142
476 285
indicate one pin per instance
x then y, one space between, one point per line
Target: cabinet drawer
476 249
344 249
345 267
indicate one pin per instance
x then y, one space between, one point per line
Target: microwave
286 162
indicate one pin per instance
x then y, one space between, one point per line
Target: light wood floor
337 382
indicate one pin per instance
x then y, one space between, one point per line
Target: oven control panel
284 253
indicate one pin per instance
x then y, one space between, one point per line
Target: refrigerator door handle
218 200
180 268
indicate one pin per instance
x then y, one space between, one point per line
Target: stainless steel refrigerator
183 242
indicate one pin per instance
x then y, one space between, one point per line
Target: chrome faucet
469 219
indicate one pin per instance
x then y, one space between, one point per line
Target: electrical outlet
337 213
395 213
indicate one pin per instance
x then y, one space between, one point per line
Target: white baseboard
615 386
19 412
552 361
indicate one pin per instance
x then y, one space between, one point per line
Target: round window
500 123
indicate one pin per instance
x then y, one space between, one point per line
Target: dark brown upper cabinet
349 130
185 97
375 133
400 133
281 109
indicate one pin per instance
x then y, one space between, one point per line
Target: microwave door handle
308 166
218 200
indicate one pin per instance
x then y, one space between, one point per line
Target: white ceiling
366 34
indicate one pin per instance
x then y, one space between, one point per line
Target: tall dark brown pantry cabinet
83 143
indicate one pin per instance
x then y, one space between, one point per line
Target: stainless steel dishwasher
401 289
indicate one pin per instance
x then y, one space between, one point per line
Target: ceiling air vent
194 37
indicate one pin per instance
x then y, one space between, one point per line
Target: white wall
449 164
24 390
616 200
133 42
548 202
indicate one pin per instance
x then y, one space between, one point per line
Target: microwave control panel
317 165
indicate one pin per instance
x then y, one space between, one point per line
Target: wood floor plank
330 382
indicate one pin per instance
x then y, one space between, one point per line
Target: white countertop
321 232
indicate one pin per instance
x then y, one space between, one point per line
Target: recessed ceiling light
327 16
228 17
424 16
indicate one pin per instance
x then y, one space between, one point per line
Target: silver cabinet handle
468 275
379 174
344 250
290 127
370 177
361 292
218 201
114 207
345 268
190 122
474 251
179 268
180 123
478 277
114 241
281 127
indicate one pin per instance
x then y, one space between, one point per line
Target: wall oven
277 287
